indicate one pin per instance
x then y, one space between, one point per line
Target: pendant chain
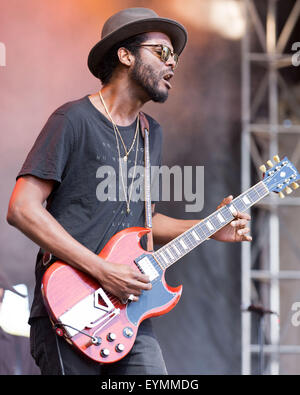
115 128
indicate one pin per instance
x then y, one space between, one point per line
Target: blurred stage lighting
222 16
14 312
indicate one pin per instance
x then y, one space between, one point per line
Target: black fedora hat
130 22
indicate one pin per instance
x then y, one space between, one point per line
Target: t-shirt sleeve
52 149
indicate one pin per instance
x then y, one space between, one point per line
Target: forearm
167 228
43 229
26 213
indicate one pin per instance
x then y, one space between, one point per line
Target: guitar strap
147 180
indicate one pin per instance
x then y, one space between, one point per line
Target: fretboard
187 241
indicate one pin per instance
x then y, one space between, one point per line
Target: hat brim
174 30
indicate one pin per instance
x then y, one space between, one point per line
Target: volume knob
120 347
104 352
111 337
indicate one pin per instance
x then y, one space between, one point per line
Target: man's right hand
122 280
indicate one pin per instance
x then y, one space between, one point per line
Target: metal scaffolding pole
271 57
245 184
274 263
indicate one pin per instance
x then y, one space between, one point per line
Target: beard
148 80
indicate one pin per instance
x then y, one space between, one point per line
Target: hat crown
130 22
124 17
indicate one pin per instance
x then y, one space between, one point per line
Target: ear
125 56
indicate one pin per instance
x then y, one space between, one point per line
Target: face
150 72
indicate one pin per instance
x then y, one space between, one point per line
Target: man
135 60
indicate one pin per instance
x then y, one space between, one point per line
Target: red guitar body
94 321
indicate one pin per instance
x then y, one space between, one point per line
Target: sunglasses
163 52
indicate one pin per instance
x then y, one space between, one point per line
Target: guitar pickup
146 266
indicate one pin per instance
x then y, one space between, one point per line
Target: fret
215 223
232 209
168 252
261 190
160 260
190 239
172 251
257 192
246 200
200 230
254 195
205 230
265 188
183 244
175 248
240 206
188 242
264 191
227 214
209 225
220 218
165 258
179 246
194 234
244 205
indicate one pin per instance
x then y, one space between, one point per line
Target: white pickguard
87 312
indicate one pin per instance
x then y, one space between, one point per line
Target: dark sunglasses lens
165 53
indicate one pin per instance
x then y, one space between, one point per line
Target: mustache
167 71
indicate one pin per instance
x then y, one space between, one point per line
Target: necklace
115 128
128 199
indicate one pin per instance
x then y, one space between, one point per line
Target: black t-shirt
72 149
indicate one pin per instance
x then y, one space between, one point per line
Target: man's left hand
237 229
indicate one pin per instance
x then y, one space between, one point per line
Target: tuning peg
263 168
295 185
276 158
281 195
288 190
269 163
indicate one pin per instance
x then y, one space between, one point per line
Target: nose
171 62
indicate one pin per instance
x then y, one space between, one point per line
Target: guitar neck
187 241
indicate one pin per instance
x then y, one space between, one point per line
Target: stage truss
265 48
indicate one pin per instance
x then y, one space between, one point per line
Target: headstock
281 176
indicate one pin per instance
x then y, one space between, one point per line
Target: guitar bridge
89 312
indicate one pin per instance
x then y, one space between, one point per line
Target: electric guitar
96 322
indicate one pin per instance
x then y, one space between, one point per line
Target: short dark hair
111 60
